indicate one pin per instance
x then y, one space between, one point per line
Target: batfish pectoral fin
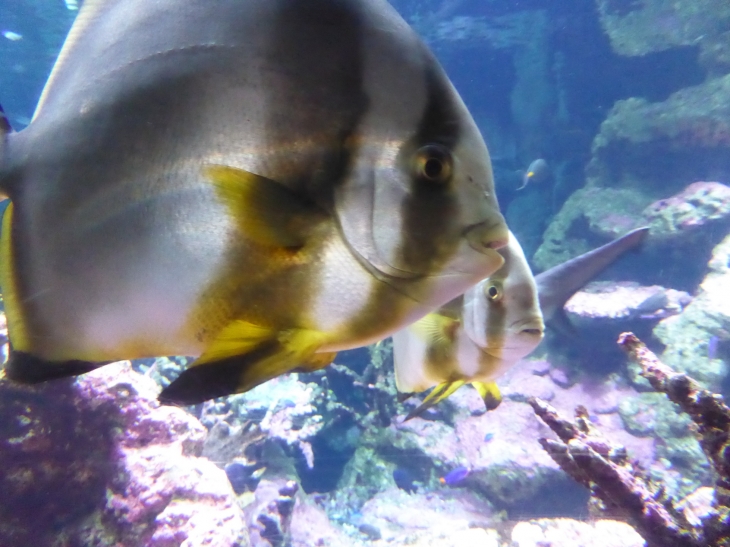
25 368
266 212
438 394
489 392
242 357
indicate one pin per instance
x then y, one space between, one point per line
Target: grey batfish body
320 119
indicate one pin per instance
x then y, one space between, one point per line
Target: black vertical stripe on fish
327 38
496 326
430 207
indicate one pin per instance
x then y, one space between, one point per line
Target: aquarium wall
604 119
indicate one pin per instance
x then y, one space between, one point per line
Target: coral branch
619 483
593 461
708 411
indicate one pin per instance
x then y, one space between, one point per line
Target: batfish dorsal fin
89 12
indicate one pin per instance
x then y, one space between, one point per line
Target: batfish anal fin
266 212
490 394
438 394
226 369
26 368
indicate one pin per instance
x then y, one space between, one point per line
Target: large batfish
259 183
477 337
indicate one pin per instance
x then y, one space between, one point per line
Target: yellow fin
267 212
237 338
17 331
438 394
244 356
436 329
489 392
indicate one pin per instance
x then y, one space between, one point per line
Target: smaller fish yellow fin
436 329
489 392
438 394
261 354
267 213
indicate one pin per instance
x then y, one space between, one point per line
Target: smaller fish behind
538 171
455 476
404 479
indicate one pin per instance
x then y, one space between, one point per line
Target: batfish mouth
488 236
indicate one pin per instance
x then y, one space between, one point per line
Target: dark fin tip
203 382
492 402
403 397
25 368
5 126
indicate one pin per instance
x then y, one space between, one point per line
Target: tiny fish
712 347
538 171
12 36
455 476
72 5
404 479
488 437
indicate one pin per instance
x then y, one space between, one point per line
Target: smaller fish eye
493 292
434 164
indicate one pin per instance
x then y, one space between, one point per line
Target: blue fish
712 347
404 479
488 437
455 476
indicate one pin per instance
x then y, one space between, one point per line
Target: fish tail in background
556 285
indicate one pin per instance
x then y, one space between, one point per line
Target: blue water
615 98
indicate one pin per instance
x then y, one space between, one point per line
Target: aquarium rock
565 532
103 460
603 303
688 336
640 28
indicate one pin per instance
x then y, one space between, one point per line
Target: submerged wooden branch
612 477
620 484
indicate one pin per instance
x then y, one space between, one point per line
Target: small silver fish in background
538 171
245 184
12 36
72 5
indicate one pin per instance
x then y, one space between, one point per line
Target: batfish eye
434 164
493 292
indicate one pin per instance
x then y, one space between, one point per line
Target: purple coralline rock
96 461
500 448
698 205
413 519
607 302
574 533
